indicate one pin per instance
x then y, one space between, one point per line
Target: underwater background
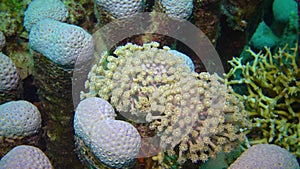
149 84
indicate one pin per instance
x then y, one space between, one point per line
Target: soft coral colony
195 115
272 88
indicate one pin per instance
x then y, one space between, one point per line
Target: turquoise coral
271 96
37 11
60 42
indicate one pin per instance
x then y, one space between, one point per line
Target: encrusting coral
270 88
194 114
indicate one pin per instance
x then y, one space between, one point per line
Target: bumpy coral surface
181 9
25 157
19 119
120 8
270 88
42 9
188 61
194 114
89 112
265 156
9 77
2 40
115 143
60 42
221 119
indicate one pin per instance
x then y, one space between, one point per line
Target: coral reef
270 88
11 16
55 88
148 84
263 36
25 156
81 13
37 11
265 156
239 12
62 43
206 16
23 60
275 33
178 9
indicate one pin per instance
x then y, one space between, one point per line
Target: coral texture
19 119
115 143
188 61
265 156
120 8
2 40
9 77
23 157
181 9
194 114
60 42
89 112
270 88
42 9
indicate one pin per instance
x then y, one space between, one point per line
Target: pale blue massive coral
9 77
25 157
120 8
62 43
19 119
42 9
115 143
181 9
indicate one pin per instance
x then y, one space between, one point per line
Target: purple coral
23 157
266 156
19 119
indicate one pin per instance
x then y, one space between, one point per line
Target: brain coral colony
152 85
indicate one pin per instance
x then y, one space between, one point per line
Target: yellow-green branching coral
271 96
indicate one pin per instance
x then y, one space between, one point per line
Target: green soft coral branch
271 83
